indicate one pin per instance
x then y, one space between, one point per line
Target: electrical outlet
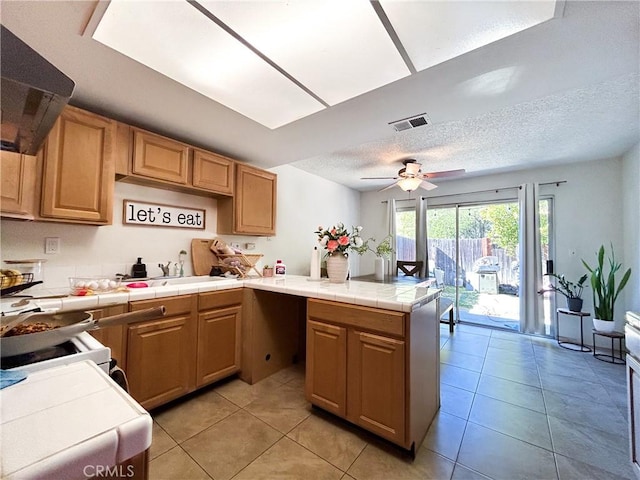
249 246
235 245
52 245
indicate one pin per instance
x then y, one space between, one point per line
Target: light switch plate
52 245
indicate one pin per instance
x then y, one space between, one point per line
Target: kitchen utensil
202 257
69 324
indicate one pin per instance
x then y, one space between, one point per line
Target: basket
15 280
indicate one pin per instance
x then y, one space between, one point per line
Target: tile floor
513 407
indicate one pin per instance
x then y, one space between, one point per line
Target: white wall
304 202
631 217
588 213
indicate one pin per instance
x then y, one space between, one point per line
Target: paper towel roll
315 264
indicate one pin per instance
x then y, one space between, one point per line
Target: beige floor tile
231 444
333 441
194 415
176 464
161 442
242 394
287 459
287 375
346 476
383 463
283 408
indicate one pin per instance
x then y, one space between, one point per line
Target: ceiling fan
411 177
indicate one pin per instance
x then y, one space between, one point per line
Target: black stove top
62 350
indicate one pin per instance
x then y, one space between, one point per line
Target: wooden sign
159 215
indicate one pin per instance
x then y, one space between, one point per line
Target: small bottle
280 269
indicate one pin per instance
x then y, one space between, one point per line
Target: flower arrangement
338 239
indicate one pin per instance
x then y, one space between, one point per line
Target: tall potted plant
605 291
571 290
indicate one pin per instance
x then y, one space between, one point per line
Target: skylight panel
178 41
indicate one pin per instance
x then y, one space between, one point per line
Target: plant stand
565 344
603 356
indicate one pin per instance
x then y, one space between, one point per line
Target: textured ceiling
577 125
562 91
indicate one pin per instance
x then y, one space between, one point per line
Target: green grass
468 298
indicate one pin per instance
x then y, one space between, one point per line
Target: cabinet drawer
180 305
384 321
211 300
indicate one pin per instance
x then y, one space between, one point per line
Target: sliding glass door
473 256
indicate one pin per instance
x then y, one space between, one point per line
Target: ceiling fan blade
379 178
388 187
427 185
444 173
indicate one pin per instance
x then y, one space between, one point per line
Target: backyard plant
605 291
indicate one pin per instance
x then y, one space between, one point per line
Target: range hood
34 92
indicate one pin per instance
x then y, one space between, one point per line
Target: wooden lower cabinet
326 368
356 366
113 337
197 342
161 354
376 387
219 347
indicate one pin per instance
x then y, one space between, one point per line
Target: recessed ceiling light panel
336 48
434 32
178 41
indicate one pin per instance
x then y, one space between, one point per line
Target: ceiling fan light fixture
409 184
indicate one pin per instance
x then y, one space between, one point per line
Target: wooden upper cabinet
18 177
253 209
78 174
213 172
160 158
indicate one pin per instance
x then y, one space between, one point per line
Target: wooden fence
442 254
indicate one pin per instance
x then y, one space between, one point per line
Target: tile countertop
64 430
400 297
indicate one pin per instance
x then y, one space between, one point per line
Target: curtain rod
496 190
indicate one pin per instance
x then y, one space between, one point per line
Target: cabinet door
376 392
113 337
219 347
161 360
160 158
326 368
255 201
79 168
213 172
18 180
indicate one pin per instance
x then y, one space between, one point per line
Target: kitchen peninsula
371 350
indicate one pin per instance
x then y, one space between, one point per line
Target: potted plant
382 251
572 291
605 291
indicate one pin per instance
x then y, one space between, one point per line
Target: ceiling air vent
411 122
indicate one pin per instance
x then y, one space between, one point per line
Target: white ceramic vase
603 325
379 268
337 267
